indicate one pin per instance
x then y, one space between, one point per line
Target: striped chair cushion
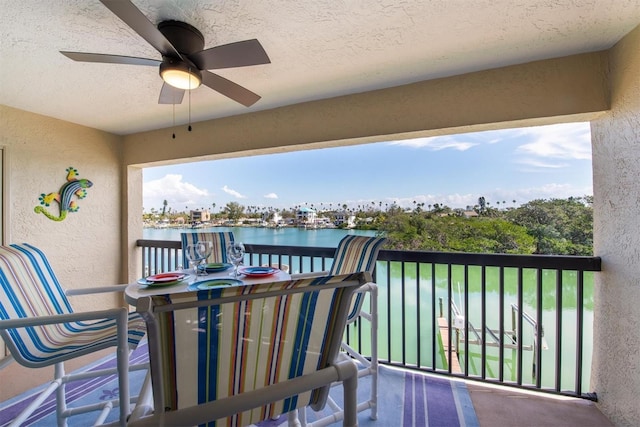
220 241
29 288
356 254
250 344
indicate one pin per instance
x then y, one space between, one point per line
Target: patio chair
356 254
243 354
40 329
220 240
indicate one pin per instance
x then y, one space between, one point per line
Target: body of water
285 236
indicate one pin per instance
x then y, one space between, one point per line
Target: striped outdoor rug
404 399
408 399
78 393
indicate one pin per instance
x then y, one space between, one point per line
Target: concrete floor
504 406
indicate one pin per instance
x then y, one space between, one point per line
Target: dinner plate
162 279
214 284
258 271
165 277
215 267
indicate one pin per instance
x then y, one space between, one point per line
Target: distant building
199 216
271 217
345 218
323 221
306 216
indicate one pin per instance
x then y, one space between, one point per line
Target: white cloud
547 191
233 193
538 164
562 141
437 143
271 196
521 196
177 193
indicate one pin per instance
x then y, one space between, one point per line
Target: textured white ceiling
318 49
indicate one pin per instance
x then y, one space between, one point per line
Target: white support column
616 176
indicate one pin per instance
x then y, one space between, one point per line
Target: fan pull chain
174 119
189 128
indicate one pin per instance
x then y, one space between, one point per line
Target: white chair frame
61 378
122 368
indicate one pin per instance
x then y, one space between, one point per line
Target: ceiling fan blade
239 54
229 89
131 15
109 59
170 95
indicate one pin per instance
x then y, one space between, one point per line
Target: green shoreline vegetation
541 226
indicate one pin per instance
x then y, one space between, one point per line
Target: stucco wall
84 249
616 176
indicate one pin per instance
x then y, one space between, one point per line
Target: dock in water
452 361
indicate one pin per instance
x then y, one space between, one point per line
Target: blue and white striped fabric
220 241
230 348
30 289
356 254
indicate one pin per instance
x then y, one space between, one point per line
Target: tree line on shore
551 227
541 226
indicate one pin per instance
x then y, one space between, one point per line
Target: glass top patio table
136 290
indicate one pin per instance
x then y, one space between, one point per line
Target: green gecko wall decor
73 186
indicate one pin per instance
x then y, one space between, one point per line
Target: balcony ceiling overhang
318 49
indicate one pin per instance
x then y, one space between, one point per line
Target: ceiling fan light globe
180 76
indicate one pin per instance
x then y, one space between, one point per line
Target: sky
520 164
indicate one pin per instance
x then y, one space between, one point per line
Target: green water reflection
411 330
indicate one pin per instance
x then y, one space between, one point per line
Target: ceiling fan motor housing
184 37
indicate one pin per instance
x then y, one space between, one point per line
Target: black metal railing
517 320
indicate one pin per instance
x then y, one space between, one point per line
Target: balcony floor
494 406
504 406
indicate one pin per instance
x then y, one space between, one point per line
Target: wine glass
195 253
205 251
235 255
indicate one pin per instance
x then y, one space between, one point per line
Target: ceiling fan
184 63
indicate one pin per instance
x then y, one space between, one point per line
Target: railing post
534 372
514 335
